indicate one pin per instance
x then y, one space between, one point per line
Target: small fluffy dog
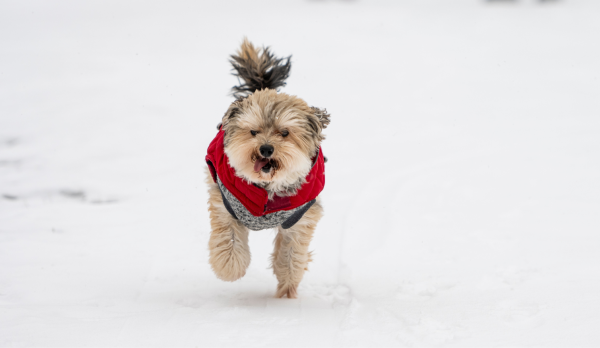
266 171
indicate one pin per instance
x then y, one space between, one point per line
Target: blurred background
462 199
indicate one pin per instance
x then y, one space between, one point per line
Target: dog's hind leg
290 257
228 244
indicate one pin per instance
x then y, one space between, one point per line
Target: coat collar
255 198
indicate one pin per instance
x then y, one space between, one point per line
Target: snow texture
462 200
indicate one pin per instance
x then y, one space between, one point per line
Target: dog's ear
234 111
317 121
322 116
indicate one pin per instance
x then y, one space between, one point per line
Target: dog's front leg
228 244
291 256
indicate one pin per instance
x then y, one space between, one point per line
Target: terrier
267 170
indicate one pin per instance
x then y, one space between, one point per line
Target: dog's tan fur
269 114
290 257
294 130
228 243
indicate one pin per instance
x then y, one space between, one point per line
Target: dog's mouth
263 164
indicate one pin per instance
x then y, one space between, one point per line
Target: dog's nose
266 150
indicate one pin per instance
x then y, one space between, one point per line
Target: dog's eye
285 133
253 133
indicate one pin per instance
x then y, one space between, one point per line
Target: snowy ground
463 193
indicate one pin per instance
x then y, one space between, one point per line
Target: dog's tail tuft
258 69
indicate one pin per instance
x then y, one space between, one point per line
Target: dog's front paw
229 261
289 290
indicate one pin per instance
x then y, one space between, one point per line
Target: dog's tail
258 69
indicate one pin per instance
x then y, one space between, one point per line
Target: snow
462 199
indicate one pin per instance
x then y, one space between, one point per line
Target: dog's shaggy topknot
259 69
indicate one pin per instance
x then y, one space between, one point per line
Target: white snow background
463 184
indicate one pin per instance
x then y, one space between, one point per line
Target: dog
266 170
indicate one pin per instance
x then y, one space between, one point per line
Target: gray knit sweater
285 218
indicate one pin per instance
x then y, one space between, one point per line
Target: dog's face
271 138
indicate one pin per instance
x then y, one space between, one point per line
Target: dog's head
270 138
